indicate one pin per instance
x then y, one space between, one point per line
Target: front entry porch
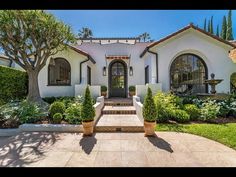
119 114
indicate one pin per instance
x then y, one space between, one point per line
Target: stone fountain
213 82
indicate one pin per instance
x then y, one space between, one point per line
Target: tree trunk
33 88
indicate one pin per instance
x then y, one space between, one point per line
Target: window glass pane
59 72
187 75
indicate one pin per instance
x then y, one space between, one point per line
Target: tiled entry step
118 102
118 122
119 110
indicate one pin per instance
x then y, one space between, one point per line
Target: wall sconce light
131 71
52 62
104 71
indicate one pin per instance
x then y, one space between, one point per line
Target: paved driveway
113 149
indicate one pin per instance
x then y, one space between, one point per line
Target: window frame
69 84
187 55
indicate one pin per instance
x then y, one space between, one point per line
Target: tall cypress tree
209 26
217 31
205 24
229 32
224 28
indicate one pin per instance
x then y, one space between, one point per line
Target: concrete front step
119 129
118 102
119 110
117 122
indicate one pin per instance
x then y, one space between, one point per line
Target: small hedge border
14 84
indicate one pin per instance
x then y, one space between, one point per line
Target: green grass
223 133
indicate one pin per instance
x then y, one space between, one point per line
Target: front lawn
223 133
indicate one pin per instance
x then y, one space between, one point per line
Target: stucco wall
98 52
74 59
213 53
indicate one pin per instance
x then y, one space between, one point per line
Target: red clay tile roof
83 53
184 29
117 57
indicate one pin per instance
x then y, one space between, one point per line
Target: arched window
187 75
233 83
59 72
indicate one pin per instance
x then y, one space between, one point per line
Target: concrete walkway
168 149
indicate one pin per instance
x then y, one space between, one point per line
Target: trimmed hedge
13 84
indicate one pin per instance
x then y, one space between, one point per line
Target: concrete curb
9 132
50 128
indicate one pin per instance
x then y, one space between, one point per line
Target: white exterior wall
212 52
74 59
150 61
99 52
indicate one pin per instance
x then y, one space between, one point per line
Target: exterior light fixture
104 71
52 62
131 71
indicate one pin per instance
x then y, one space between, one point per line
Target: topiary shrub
103 88
149 108
13 84
193 111
57 118
87 111
181 116
132 88
57 107
73 114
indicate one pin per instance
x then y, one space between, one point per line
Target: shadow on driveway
87 143
160 143
15 150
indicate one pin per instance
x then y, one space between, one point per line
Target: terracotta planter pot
88 128
131 94
149 128
104 94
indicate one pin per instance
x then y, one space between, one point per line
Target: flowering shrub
73 114
166 103
181 116
209 110
192 110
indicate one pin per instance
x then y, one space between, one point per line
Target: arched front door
117 79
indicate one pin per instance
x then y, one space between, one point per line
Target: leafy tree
29 38
149 107
229 32
224 28
145 37
85 33
205 24
217 31
87 111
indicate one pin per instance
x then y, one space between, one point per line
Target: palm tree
85 33
145 37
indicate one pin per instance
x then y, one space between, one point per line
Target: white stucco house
179 62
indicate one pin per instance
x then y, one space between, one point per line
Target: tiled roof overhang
83 53
182 30
126 57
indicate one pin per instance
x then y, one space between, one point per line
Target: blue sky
131 23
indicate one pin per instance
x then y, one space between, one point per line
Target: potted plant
149 114
131 90
104 90
87 113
